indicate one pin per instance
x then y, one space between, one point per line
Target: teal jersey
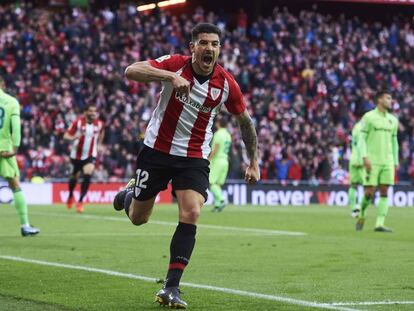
379 138
9 122
356 158
222 139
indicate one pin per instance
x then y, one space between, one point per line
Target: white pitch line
199 286
166 223
252 230
371 303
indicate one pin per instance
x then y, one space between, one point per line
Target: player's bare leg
139 212
366 201
190 203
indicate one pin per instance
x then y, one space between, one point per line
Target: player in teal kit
9 142
379 151
219 162
356 169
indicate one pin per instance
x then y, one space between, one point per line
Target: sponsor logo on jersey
383 129
187 101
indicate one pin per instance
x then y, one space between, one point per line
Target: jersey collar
382 114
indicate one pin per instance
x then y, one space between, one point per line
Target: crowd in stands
303 77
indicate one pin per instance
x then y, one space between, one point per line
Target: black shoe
382 229
360 224
170 297
120 196
29 230
221 207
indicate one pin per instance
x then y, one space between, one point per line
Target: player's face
91 114
386 101
205 51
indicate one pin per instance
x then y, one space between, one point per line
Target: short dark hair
93 105
381 93
222 121
204 28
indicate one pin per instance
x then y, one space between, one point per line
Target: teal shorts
356 175
9 168
380 175
218 171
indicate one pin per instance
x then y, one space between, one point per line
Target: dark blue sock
127 201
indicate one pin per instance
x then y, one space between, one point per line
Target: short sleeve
72 129
214 140
365 124
395 127
235 103
15 111
169 62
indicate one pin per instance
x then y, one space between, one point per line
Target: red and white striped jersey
182 126
86 145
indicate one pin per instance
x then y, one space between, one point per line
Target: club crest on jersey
215 93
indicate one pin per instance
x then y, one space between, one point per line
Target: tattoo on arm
249 136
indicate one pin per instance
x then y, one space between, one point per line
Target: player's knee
14 184
190 216
368 195
137 218
138 221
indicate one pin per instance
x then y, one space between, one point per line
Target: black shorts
79 164
155 169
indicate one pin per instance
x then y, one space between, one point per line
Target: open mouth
208 59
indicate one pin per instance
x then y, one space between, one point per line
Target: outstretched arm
249 137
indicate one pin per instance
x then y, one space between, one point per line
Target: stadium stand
303 75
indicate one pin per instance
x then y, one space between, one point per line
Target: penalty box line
193 285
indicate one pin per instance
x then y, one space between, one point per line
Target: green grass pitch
278 258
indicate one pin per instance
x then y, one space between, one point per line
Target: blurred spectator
303 75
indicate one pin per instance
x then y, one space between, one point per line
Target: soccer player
87 133
177 143
9 143
219 162
379 152
356 167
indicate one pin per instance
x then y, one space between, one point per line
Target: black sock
72 185
84 186
181 247
127 201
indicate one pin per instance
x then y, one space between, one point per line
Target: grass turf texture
331 263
